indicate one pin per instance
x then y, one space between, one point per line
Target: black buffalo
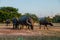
15 23
27 21
7 22
45 22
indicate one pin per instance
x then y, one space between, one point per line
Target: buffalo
7 22
27 21
45 23
15 23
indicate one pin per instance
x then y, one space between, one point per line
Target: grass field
29 38
7 33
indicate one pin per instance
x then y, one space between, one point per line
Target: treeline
10 12
55 19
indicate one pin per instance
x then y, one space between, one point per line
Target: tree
49 19
8 12
56 19
9 9
34 17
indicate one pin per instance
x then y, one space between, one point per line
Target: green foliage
8 12
56 19
34 17
8 9
49 19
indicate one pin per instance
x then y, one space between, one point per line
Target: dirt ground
52 30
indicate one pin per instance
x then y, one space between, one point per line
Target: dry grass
53 31
6 32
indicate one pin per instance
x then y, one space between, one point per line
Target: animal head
50 24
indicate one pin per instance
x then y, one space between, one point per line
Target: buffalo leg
46 26
21 26
31 27
13 26
40 26
27 27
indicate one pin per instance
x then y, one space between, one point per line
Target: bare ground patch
7 30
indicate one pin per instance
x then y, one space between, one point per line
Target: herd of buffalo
28 22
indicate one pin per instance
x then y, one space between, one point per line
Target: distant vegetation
56 19
10 12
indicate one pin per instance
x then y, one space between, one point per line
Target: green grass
29 38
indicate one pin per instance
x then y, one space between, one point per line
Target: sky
41 8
